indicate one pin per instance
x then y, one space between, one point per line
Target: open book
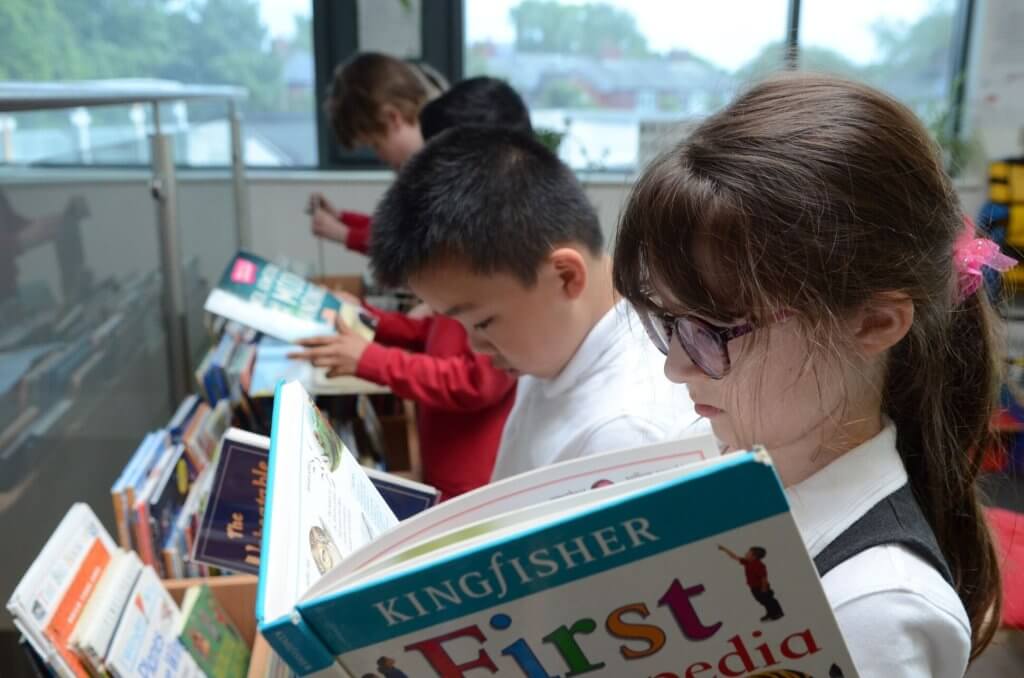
255 293
665 560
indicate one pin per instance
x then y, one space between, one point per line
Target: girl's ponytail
941 383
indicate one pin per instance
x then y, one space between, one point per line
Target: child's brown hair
817 195
368 81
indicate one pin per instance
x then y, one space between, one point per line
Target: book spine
143 536
121 519
300 648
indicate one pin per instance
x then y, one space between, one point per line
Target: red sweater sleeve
359 226
461 383
398 329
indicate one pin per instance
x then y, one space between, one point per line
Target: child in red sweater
463 400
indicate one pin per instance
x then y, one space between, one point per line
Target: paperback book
265 297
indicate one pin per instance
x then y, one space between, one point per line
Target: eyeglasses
706 345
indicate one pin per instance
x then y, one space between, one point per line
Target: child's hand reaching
317 201
326 225
339 353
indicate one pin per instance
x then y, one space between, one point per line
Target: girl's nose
679 368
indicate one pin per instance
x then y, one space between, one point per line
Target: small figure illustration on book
387 668
325 554
757 579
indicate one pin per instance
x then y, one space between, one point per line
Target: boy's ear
571 271
882 322
391 116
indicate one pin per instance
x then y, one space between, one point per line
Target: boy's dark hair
758 552
476 101
496 198
370 80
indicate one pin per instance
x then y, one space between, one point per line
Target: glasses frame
672 325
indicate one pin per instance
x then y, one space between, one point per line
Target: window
619 77
610 74
265 46
902 46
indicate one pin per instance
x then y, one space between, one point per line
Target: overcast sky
726 32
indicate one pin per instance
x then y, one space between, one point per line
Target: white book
49 600
95 630
144 643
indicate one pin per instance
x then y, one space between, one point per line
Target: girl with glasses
802 261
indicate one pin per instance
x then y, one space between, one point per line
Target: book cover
231 527
210 636
272 366
95 630
122 492
571 569
145 643
617 587
168 498
182 417
403 496
142 525
286 306
50 598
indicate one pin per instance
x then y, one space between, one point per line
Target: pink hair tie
971 254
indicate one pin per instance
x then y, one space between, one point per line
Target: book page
565 479
494 528
335 508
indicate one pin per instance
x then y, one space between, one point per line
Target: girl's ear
882 322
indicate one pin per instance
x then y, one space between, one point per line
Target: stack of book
87 608
160 491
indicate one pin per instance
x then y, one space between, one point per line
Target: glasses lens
704 346
659 330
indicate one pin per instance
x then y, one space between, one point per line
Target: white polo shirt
612 395
898 615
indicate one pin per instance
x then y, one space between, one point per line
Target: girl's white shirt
899 617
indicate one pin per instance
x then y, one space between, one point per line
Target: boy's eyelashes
483 324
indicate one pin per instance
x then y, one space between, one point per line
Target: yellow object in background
999 170
1016 182
999 193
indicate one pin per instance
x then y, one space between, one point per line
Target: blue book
632 563
124 489
182 417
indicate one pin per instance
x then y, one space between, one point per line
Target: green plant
552 138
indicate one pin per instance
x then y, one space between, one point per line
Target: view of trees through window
264 46
604 72
613 77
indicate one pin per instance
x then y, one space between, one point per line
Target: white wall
120 235
280 227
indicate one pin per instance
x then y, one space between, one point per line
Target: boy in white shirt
487 226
